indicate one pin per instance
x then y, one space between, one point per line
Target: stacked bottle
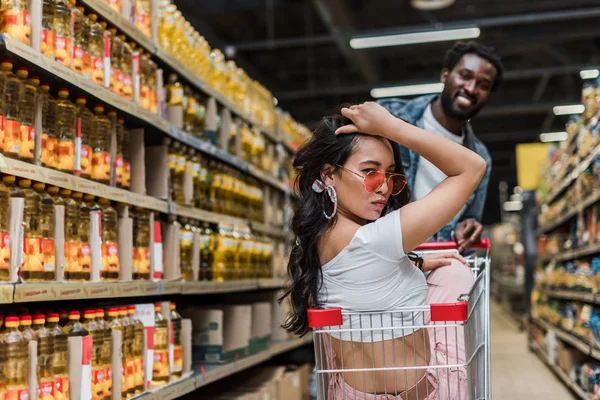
49 139
15 372
66 113
59 357
83 142
160 367
6 186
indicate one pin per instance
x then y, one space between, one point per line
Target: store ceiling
299 49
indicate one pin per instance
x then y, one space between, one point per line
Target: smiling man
470 73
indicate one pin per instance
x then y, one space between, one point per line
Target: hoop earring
333 197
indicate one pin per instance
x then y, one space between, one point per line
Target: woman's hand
368 117
436 260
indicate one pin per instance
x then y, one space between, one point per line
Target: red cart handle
452 245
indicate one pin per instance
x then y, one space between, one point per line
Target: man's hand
467 233
436 260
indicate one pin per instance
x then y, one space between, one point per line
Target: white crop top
371 274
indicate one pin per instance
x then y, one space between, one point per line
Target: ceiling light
569 110
589 74
431 4
553 136
415 37
409 90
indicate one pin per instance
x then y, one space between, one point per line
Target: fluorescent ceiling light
568 110
589 74
553 136
512 206
415 37
409 90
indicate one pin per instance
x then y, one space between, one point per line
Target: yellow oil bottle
66 114
83 139
46 228
141 244
96 49
48 37
219 264
49 139
126 149
15 372
59 357
114 4
137 350
106 352
98 368
141 15
45 350
128 335
74 327
27 104
15 20
175 94
72 245
63 49
114 322
3 364
119 170
186 240
32 268
205 253
126 66
177 350
13 91
81 56
160 366
116 52
110 247
101 161
8 182
85 252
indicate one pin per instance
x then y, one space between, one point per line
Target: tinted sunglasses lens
373 181
397 183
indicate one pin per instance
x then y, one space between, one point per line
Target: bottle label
18 394
139 371
72 252
4 250
61 388
86 160
130 376
49 254
16 23
66 155
97 383
47 45
98 70
160 367
126 174
110 257
34 259
62 50
178 358
101 166
27 143
107 382
141 260
2 120
85 257
80 59
48 145
12 136
119 168
46 390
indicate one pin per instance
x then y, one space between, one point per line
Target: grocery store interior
148 187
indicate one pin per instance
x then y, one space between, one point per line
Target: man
470 73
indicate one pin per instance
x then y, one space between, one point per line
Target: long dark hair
309 223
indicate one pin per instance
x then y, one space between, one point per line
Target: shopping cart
372 359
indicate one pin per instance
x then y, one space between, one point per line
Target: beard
454 112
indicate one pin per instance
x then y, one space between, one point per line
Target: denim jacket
412 112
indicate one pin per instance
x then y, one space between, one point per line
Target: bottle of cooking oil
24 144
62 30
114 4
25 321
177 170
110 247
45 351
15 20
73 270
220 266
141 243
46 229
178 350
47 44
49 140
59 360
160 368
120 130
80 26
192 166
186 240
126 149
141 14
116 51
137 351
114 322
101 162
205 253
96 49
175 93
85 253
126 67
83 139
66 114
33 261
98 368
15 373
13 92
74 327
3 365
106 352
8 182
128 336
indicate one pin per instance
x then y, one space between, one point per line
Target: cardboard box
290 386
305 371
568 357
261 335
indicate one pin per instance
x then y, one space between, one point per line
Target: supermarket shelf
121 23
573 295
213 373
572 176
50 291
573 211
574 254
25 52
561 374
584 347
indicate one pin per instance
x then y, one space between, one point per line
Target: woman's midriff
406 351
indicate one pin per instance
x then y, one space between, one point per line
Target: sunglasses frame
387 175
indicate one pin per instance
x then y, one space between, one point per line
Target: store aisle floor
518 374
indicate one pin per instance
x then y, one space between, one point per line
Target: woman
352 250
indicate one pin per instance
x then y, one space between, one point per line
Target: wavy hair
309 224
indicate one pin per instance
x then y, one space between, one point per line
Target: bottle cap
100 312
65 192
25 319
99 108
156 306
173 305
25 183
53 315
39 318
11 322
90 314
63 92
74 315
9 179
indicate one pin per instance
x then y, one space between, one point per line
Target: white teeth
464 101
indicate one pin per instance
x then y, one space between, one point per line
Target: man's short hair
456 52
